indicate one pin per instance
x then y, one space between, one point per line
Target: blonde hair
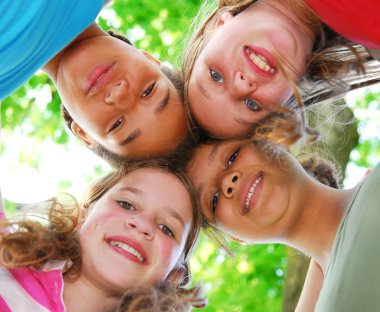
31 243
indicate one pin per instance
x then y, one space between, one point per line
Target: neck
322 209
80 295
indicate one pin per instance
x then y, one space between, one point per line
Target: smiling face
236 79
243 192
135 234
120 98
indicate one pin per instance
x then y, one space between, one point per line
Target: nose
117 94
244 84
141 224
230 183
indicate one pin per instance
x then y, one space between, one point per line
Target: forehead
202 162
161 132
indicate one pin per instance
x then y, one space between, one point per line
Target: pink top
357 20
26 289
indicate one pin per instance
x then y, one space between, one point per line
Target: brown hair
115 160
332 56
33 243
321 169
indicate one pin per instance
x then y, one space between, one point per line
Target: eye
126 205
149 90
216 76
116 124
233 157
166 230
252 105
215 200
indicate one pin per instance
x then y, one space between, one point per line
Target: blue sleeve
33 31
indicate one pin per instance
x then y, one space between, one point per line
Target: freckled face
135 234
243 192
120 98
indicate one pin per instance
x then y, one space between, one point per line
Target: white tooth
251 191
262 65
128 249
260 61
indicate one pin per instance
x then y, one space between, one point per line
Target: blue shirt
33 31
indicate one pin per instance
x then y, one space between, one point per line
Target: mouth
98 78
128 248
261 61
252 193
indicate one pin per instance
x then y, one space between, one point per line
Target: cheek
170 253
227 217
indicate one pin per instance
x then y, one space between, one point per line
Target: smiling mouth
125 247
260 60
251 192
98 78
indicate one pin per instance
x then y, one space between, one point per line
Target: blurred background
39 158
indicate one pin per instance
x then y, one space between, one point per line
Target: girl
261 196
242 60
133 235
117 110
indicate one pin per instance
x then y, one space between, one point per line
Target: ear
80 133
224 18
151 57
83 214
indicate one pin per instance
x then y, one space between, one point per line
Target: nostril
241 77
234 179
229 190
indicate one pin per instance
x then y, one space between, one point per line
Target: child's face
236 79
135 234
120 98
242 191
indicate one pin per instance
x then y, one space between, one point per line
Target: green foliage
160 27
250 281
367 109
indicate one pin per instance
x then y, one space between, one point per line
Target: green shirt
352 281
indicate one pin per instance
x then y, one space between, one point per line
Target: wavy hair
31 242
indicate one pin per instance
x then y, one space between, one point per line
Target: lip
271 60
135 245
256 194
98 78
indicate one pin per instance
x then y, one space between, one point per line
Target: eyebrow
175 215
132 136
163 103
200 189
204 91
244 121
131 189
214 152
203 201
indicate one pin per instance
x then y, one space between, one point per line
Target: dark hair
115 160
